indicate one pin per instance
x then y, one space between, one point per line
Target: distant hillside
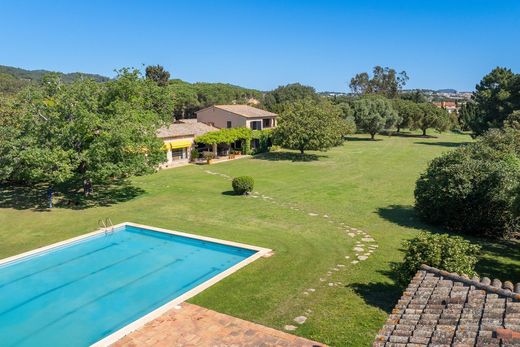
37 75
448 91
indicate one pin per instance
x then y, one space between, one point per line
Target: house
446 309
179 138
235 116
450 106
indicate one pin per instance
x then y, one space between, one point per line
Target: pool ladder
107 225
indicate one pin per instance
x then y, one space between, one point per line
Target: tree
415 96
308 125
374 114
384 81
275 99
496 97
430 116
83 133
469 116
406 110
513 120
158 74
473 188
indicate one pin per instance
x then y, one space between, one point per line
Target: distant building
450 106
179 139
236 116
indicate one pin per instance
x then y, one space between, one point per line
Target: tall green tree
83 133
276 99
309 125
469 116
374 114
496 97
384 81
158 74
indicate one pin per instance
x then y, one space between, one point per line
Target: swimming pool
96 288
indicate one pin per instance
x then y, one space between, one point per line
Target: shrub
195 154
264 138
473 189
449 253
209 155
243 184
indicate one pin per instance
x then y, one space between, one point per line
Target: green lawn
364 184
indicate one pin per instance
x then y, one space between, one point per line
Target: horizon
207 42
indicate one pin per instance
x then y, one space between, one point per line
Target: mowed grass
365 184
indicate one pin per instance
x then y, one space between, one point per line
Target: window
179 153
229 124
256 125
266 123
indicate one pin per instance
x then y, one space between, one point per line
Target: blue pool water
79 293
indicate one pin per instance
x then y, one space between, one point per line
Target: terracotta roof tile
245 111
185 127
439 308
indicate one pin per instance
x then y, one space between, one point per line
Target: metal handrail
106 224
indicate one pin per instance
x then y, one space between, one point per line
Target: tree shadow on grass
35 197
289 156
383 295
408 135
359 139
403 215
491 266
492 263
23 197
443 144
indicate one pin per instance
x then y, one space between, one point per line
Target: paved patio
192 325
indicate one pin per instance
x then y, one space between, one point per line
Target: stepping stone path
290 328
300 319
359 248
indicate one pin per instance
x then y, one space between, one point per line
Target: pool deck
192 325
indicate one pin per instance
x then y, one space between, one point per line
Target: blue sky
264 44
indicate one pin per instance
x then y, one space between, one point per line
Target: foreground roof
185 127
244 111
443 309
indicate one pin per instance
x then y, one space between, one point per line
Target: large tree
374 114
430 116
158 74
83 133
309 125
275 99
496 97
406 110
385 81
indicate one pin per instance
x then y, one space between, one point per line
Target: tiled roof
444 309
186 127
246 111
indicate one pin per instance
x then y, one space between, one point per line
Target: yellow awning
178 144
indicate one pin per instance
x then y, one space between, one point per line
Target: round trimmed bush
243 184
444 252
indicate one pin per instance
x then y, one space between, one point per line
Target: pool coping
117 335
